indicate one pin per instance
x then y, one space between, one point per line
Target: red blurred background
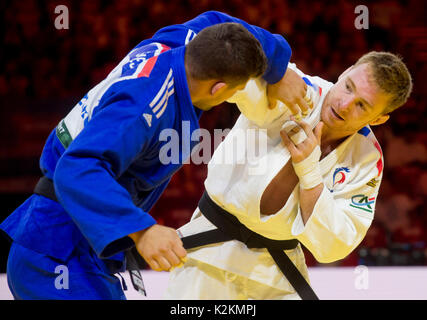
45 71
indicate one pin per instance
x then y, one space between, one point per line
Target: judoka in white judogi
341 217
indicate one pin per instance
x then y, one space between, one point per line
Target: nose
346 103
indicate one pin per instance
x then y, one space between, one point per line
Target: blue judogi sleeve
276 48
85 176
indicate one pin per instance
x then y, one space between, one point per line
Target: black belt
44 187
229 228
134 262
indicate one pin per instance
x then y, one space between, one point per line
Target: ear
380 120
345 72
217 86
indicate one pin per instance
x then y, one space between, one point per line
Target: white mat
330 283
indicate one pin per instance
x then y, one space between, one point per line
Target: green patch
63 134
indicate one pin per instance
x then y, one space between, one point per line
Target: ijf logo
362 202
339 175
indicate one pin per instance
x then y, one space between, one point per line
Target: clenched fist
160 247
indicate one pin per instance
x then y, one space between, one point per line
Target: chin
203 106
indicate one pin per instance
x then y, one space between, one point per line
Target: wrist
308 170
137 235
311 179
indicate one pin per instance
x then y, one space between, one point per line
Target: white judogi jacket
342 215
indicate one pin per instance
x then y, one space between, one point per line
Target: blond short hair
391 75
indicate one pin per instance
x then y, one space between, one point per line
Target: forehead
362 78
366 87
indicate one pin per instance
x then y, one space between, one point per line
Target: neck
331 138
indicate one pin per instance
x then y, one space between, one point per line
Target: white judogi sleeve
252 101
351 175
345 210
253 104
340 219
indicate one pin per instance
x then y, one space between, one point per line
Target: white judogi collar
344 211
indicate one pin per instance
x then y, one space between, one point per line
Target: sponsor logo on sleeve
362 202
373 183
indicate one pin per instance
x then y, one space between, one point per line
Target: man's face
224 93
353 102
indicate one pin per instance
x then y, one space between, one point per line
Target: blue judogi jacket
103 157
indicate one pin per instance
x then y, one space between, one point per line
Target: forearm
308 199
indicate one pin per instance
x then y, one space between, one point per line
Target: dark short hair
391 75
226 51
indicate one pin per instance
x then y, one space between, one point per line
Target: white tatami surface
330 283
